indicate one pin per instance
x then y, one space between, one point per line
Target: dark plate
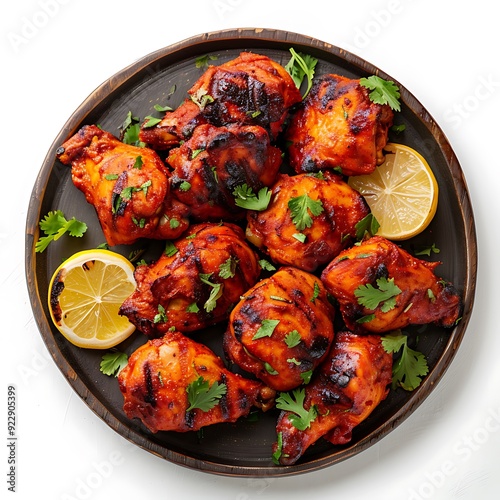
244 448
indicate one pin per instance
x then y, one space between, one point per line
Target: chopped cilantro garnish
204 396
215 293
54 225
294 403
301 66
266 328
293 338
112 363
300 207
246 198
410 367
385 295
382 91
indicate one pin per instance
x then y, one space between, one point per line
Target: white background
445 53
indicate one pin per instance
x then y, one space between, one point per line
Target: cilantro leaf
410 367
294 403
246 198
161 317
215 293
54 225
201 98
130 129
266 265
279 448
112 363
151 121
204 61
367 226
228 268
204 396
301 66
382 91
266 328
371 297
300 207
293 338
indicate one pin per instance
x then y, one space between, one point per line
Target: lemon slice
402 193
85 294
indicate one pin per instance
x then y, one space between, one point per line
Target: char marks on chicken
127 185
281 329
337 126
196 285
251 89
215 161
418 295
277 232
156 380
348 385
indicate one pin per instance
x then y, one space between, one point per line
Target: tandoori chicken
176 384
344 391
381 287
338 127
251 89
309 220
127 185
281 329
195 283
215 161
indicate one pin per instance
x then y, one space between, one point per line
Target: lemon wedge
85 294
402 193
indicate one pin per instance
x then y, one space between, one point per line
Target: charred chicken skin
196 284
127 185
251 89
413 293
344 391
281 329
160 375
216 160
277 229
338 127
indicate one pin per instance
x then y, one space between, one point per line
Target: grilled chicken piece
127 185
347 387
216 160
282 329
275 232
250 89
196 284
338 127
420 297
161 374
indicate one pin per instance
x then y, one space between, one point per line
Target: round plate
163 77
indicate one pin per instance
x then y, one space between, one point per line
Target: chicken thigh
347 387
380 287
281 329
127 185
176 384
195 283
309 220
338 127
216 160
251 89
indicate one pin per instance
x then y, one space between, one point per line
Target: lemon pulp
402 193
85 294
